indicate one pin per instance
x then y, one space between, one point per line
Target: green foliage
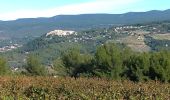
160 66
145 66
59 67
34 66
76 62
109 60
135 68
113 62
35 93
4 68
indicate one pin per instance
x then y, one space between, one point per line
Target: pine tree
34 66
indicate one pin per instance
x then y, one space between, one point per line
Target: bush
4 68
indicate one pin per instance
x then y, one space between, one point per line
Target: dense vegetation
4 68
34 67
112 62
49 88
109 61
50 47
89 39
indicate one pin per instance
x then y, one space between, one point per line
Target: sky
14 9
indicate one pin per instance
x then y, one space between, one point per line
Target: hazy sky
13 9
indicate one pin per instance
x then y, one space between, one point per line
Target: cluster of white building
121 28
8 48
60 33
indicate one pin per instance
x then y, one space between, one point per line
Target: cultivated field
66 88
161 36
136 43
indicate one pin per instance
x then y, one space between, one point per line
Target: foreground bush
49 88
4 68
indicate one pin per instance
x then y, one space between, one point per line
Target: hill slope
140 38
38 26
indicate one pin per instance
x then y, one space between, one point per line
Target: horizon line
84 14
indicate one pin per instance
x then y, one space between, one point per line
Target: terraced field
136 41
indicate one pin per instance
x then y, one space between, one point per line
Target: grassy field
66 88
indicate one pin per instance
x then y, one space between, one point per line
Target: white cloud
98 6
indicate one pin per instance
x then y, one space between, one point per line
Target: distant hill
140 38
38 26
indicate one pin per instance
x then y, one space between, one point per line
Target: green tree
34 66
75 62
108 61
160 66
136 68
59 67
71 59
